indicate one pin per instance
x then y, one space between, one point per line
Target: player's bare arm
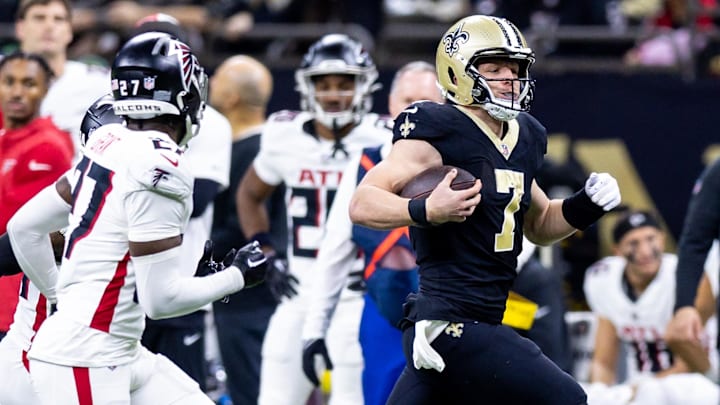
607 350
376 204
148 248
692 351
544 221
705 300
550 220
62 186
250 199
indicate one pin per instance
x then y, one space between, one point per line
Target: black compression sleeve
8 264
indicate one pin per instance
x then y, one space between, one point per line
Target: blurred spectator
124 14
678 33
33 151
632 295
435 10
240 89
43 27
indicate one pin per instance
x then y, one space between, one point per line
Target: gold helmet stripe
509 31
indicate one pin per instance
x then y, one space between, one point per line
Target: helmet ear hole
451 75
474 38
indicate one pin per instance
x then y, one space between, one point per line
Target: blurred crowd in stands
633 33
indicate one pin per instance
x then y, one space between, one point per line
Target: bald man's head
240 82
413 82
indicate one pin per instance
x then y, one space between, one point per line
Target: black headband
632 221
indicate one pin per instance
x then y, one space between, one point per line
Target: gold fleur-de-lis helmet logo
453 40
406 126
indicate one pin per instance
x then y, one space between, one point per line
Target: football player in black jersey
467 241
702 223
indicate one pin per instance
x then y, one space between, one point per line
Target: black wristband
580 212
263 238
416 208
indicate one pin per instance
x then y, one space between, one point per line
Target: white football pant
149 379
282 381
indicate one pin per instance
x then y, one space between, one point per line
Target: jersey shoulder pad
531 123
607 267
601 278
158 165
284 116
384 122
284 124
423 120
87 70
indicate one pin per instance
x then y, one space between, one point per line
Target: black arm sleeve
204 192
701 227
8 264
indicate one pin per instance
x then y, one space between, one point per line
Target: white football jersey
29 314
71 94
311 173
134 185
208 153
640 324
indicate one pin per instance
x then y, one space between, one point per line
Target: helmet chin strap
338 146
190 131
499 112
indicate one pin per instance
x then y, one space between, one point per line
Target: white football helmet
337 54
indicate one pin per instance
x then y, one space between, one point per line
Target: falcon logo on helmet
186 60
156 70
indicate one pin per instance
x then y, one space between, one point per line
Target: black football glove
279 279
313 348
251 261
207 265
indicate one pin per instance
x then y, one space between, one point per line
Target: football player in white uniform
27 228
182 339
632 295
338 252
308 151
130 201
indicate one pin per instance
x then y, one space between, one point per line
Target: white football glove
603 190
